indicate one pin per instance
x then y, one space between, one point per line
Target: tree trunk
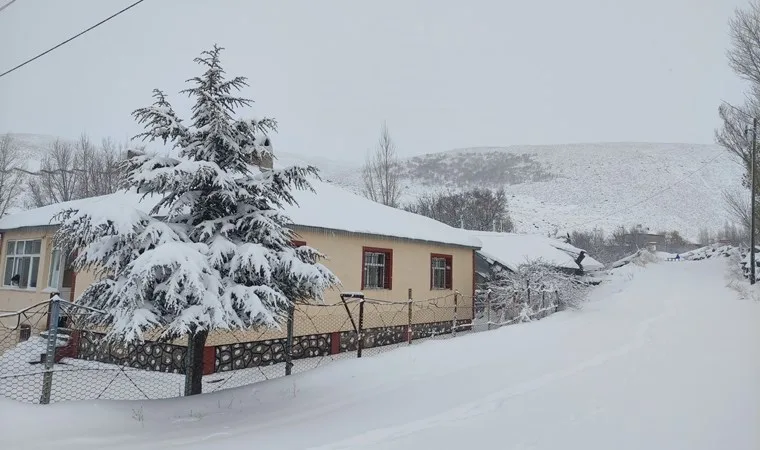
196 342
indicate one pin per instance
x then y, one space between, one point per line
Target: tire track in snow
495 401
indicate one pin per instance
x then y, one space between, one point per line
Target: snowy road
668 358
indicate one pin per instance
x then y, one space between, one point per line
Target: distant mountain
580 186
558 187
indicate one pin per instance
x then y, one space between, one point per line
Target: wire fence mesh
50 352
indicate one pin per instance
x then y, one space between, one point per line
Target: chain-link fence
49 353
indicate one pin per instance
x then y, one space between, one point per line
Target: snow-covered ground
662 357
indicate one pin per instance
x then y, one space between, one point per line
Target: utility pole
752 209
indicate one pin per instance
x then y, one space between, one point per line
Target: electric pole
752 209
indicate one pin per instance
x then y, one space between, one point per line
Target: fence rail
49 352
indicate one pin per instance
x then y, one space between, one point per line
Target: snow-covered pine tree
216 251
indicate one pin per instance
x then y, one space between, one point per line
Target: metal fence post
289 341
52 342
409 319
488 310
454 319
359 333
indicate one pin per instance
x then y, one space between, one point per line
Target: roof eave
295 226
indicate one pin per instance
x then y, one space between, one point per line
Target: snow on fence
44 360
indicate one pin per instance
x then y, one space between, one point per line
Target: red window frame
296 243
449 271
388 282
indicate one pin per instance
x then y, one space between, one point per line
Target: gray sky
443 73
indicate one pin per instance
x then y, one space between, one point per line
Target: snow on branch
215 252
524 292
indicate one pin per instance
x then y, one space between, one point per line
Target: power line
666 188
7 5
69 39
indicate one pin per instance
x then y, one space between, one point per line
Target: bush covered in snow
535 286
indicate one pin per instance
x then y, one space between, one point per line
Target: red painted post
209 360
335 342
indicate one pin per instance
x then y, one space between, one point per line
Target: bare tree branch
382 172
10 179
80 170
744 54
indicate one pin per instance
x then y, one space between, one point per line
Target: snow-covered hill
560 187
580 186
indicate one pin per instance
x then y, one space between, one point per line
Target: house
510 250
384 252
642 239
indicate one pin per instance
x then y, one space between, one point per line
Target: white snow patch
664 359
512 250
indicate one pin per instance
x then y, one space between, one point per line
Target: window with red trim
441 271
297 244
377 268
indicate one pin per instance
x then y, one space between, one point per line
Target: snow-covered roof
511 250
330 207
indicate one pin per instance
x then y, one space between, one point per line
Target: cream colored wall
14 299
411 264
83 280
411 269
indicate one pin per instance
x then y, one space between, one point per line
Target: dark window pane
8 272
375 270
35 247
23 271
34 272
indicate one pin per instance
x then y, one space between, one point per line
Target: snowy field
662 186
661 357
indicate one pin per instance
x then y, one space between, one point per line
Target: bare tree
99 168
382 172
11 179
84 164
738 207
79 170
733 135
744 59
58 178
476 209
704 237
744 54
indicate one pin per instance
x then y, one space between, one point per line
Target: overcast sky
443 73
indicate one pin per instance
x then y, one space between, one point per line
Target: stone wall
171 358
148 356
265 353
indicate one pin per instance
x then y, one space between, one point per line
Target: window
54 279
22 263
24 332
440 271
297 244
377 268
